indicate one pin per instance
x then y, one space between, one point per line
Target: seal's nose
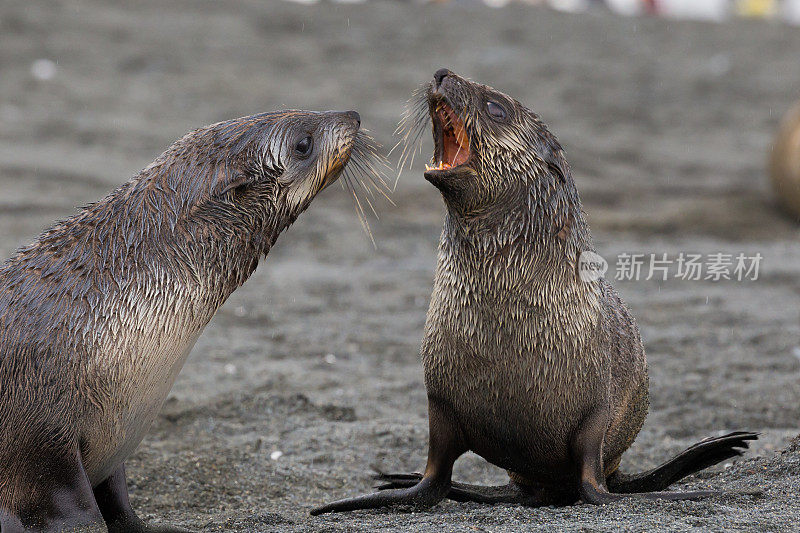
440 74
355 116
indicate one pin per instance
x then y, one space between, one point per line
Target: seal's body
526 364
784 163
98 314
522 401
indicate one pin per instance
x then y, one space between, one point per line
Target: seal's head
488 147
296 153
254 175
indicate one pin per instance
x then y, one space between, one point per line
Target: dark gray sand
667 125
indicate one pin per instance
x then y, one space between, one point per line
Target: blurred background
309 377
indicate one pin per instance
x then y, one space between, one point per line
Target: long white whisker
365 171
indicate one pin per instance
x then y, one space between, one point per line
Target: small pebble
277 454
43 69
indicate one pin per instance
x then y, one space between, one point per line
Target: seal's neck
523 268
541 232
156 240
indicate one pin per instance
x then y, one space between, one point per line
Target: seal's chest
514 419
141 384
512 395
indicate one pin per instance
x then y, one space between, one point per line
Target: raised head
285 157
258 173
490 151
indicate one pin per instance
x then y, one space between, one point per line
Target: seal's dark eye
496 110
304 146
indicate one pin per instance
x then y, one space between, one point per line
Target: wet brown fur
527 365
545 347
98 314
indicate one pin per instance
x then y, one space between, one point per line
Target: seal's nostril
355 116
440 74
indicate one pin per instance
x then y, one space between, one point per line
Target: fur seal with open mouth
98 314
526 364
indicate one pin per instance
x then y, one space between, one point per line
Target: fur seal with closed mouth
784 162
532 368
98 314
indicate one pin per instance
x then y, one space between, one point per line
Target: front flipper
463 492
47 491
587 449
112 498
428 492
445 446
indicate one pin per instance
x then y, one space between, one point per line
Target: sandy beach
309 377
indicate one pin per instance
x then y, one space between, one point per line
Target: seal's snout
355 117
439 76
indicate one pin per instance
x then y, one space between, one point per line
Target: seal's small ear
557 164
239 181
243 179
557 171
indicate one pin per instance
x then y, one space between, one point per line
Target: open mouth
450 137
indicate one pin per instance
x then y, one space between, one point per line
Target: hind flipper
587 448
48 492
112 499
463 492
705 453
